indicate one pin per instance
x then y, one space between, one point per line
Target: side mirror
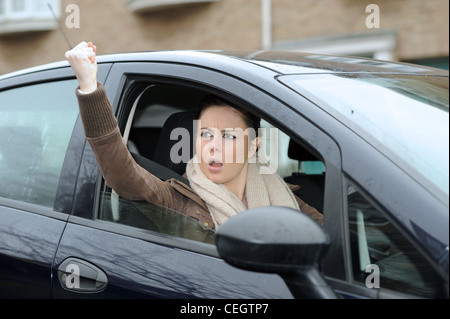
277 240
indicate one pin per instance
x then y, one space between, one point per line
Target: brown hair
250 119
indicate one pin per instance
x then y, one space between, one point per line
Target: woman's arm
311 211
118 167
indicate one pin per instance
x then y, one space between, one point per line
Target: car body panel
29 243
139 268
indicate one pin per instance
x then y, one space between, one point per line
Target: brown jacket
130 180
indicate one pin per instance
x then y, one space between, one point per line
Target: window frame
30 18
378 45
144 6
124 75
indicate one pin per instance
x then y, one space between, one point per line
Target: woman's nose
215 144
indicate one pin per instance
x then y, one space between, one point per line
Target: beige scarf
267 189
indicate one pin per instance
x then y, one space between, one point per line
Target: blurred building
404 30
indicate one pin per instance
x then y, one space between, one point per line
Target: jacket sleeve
117 166
304 207
311 211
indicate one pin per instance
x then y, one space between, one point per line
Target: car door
126 260
38 152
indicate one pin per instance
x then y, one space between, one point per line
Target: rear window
36 123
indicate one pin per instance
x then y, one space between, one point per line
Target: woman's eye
206 135
229 136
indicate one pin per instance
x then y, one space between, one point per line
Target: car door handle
78 275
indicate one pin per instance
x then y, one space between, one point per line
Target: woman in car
222 184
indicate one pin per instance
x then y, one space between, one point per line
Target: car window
284 153
36 124
153 217
143 131
294 164
379 249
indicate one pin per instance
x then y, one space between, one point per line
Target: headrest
165 144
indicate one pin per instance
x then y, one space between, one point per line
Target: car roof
282 62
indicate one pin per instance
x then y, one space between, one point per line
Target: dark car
366 141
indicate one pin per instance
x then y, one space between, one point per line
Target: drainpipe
266 12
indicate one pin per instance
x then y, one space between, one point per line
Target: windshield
404 116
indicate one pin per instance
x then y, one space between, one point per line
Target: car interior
161 109
154 120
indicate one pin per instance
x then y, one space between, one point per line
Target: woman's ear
253 147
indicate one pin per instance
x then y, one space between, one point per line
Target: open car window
159 148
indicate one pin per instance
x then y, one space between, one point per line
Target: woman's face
223 143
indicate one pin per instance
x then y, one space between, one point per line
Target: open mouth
214 166
214 163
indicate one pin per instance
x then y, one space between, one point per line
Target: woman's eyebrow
214 129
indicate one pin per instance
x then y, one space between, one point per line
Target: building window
139 6
28 15
380 45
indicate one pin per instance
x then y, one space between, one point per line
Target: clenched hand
83 62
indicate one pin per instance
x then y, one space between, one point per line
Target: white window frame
35 16
379 45
140 6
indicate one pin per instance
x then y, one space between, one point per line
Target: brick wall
421 27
